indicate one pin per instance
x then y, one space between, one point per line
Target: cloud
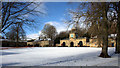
58 25
33 36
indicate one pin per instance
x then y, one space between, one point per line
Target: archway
80 43
112 44
64 44
71 44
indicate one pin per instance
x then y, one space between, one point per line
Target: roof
74 27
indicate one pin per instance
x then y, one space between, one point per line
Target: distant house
75 41
38 43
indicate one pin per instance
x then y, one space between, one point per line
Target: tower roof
73 30
74 27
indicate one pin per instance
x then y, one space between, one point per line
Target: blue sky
55 12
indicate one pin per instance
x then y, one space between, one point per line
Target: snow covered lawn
57 56
2 48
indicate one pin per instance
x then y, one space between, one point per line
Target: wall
40 43
75 41
92 42
13 44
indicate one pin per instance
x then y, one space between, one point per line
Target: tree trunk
117 50
104 52
118 42
17 39
17 34
118 31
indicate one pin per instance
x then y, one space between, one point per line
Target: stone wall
92 42
39 43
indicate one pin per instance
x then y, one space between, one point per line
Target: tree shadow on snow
74 58
8 53
9 64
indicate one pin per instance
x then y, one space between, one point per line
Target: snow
57 56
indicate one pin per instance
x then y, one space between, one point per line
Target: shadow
7 64
8 53
75 58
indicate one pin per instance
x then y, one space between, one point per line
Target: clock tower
73 33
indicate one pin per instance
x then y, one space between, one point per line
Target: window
71 35
87 40
76 35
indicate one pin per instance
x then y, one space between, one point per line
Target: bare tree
118 30
16 32
13 12
63 35
97 16
115 16
74 18
50 32
42 36
94 30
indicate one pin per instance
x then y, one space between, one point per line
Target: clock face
71 35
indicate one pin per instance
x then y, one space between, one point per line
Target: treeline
13 44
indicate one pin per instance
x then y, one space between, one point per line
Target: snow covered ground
57 56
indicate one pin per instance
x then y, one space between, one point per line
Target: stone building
75 41
38 43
